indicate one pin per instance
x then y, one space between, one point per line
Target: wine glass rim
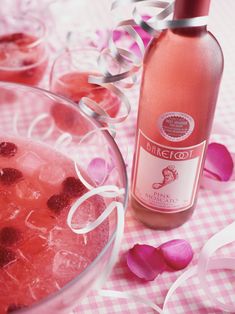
68 51
28 18
108 136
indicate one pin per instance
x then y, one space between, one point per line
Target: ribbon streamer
226 236
36 121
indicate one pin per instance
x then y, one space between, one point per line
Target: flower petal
117 35
219 163
145 261
97 170
176 253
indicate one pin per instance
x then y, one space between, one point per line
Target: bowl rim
76 279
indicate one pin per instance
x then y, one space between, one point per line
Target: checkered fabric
214 210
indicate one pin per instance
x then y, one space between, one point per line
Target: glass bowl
49 143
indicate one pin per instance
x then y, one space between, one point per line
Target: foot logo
170 174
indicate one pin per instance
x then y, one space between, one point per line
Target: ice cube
21 271
32 247
40 220
44 257
85 214
29 162
62 238
52 174
27 191
68 264
10 211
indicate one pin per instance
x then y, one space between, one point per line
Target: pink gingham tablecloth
214 210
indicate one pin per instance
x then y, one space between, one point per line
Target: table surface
214 210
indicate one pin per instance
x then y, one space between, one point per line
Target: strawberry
9 236
27 62
6 256
58 202
11 38
8 149
9 176
22 39
17 36
5 39
73 187
14 307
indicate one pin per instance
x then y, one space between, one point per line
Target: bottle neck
189 9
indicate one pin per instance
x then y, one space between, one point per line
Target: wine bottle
180 82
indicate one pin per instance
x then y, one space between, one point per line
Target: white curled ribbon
114 205
226 236
63 140
36 121
205 263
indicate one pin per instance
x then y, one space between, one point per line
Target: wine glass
23 49
69 77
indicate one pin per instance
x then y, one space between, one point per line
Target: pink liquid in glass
75 85
22 59
39 253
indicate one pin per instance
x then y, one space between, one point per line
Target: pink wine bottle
180 83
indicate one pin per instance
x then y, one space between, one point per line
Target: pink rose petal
219 163
145 262
97 170
176 253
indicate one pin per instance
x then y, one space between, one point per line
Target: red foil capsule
191 8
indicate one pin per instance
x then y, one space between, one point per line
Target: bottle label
176 126
167 177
